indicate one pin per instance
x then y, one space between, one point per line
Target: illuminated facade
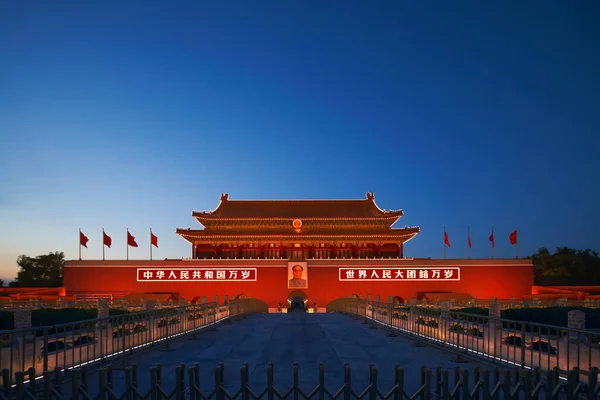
319 250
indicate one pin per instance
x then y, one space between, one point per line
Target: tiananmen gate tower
319 250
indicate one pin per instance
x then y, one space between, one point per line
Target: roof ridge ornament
370 196
224 196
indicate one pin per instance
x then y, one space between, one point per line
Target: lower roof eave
395 238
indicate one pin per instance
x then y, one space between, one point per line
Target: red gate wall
480 278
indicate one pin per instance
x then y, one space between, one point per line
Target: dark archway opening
297 305
297 301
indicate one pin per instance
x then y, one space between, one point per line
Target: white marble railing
512 343
82 343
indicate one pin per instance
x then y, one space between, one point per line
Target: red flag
446 240
469 239
107 240
153 240
492 238
513 237
131 240
83 239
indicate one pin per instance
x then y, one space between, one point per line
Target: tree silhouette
566 267
41 271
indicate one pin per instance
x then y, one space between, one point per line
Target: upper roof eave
252 210
209 217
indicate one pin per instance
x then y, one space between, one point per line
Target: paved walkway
283 339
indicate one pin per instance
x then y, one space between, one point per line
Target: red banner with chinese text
196 274
400 274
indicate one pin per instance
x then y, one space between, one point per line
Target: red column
401 250
282 251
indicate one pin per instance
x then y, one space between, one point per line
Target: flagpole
468 242
150 244
517 241
127 244
493 242
103 244
444 243
79 244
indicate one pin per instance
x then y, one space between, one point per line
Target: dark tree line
41 271
566 267
562 268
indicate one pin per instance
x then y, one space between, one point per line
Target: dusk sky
131 114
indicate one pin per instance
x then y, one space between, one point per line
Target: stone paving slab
283 339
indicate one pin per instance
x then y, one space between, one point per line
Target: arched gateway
297 300
327 249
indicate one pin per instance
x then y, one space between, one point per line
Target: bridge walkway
283 339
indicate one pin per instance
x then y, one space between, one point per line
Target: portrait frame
290 275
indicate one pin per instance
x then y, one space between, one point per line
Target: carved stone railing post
390 310
205 308
182 304
367 308
412 315
493 333
377 312
575 346
22 319
576 320
149 305
23 353
444 323
103 312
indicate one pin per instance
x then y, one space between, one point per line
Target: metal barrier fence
81 343
438 383
507 342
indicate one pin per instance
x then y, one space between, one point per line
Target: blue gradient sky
131 114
